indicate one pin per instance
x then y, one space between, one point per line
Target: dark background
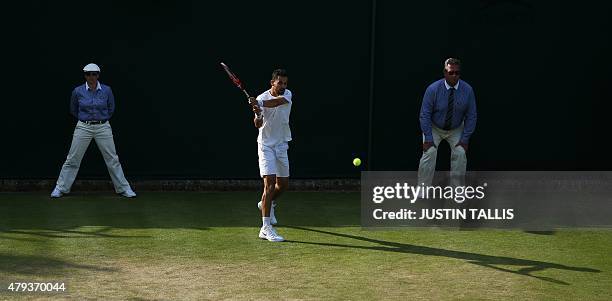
541 72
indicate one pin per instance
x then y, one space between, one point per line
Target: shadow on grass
40 266
17 238
489 261
37 215
67 233
549 232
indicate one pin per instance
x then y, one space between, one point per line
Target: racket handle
258 116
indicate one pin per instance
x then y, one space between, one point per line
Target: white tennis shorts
273 160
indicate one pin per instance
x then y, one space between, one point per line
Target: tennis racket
238 83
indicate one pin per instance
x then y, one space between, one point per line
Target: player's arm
275 102
269 103
258 122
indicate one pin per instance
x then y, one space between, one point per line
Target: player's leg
267 170
267 231
275 194
282 183
281 186
80 141
282 168
104 139
269 182
427 164
282 177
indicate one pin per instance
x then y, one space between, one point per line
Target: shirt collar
99 87
448 86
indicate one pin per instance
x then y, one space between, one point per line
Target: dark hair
278 73
452 61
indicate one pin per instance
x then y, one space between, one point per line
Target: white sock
266 221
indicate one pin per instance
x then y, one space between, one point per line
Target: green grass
198 246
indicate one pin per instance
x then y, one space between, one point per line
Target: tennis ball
356 161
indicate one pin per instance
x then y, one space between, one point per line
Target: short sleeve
287 95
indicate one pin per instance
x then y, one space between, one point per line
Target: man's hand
253 101
464 145
427 145
255 107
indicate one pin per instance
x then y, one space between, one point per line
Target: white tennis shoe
268 232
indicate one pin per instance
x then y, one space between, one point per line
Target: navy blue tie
450 109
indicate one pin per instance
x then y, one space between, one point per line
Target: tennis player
272 145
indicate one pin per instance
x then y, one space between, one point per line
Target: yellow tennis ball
356 161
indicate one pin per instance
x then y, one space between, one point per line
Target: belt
94 121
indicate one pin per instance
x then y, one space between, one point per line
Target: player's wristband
260 103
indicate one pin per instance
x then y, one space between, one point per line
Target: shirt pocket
101 97
85 103
101 101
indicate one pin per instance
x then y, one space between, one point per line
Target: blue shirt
97 104
435 105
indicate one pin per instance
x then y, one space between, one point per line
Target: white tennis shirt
275 128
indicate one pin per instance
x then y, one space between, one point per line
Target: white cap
91 68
